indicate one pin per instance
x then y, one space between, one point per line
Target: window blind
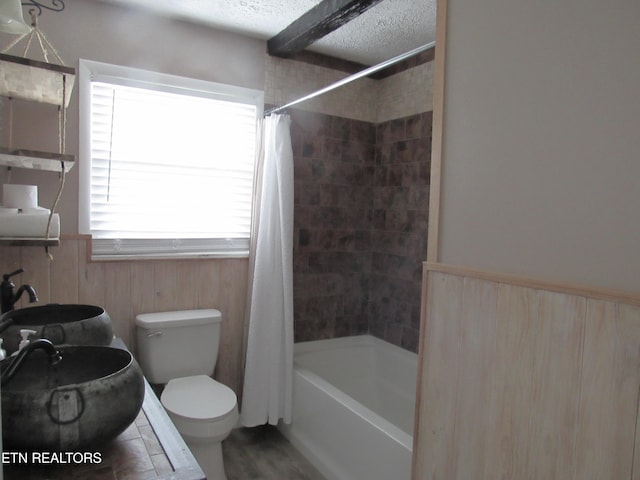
171 172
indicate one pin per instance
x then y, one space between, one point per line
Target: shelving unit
40 82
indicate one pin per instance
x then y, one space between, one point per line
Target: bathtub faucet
6 292
53 356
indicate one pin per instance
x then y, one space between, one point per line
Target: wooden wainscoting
126 288
526 380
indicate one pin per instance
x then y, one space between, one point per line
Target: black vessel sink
73 324
86 399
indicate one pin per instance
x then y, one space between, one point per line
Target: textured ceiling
386 30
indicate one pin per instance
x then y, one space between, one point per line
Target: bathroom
547 109
347 260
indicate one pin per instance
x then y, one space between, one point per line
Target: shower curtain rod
355 76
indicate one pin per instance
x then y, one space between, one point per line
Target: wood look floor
262 453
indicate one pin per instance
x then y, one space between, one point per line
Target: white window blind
171 168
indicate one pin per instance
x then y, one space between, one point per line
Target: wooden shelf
35 81
51 162
29 242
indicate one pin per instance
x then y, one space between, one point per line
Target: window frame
92 71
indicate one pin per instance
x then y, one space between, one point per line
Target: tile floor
262 453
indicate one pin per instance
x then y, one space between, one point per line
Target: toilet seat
200 407
198 398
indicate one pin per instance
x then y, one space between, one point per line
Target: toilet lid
199 397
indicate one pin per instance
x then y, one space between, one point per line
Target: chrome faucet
6 292
53 356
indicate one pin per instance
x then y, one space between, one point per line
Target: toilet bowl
204 412
180 349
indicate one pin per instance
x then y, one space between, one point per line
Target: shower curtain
266 395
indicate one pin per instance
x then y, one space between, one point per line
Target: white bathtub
353 407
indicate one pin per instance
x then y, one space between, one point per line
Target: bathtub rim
354 340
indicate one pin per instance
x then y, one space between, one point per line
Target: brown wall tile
361 210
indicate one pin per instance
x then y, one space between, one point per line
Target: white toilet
180 349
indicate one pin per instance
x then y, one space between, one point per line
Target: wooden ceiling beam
322 19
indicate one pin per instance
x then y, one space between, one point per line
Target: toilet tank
178 344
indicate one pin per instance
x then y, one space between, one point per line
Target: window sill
176 256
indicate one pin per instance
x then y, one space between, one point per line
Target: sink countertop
149 449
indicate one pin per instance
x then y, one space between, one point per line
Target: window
166 163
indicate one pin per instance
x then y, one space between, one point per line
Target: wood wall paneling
475 374
524 382
64 273
165 286
142 292
126 288
610 379
117 277
92 288
232 297
555 385
508 433
186 284
436 419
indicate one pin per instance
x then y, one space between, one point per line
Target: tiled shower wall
361 203
334 176
400 226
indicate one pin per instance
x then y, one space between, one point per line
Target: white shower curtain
266 396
